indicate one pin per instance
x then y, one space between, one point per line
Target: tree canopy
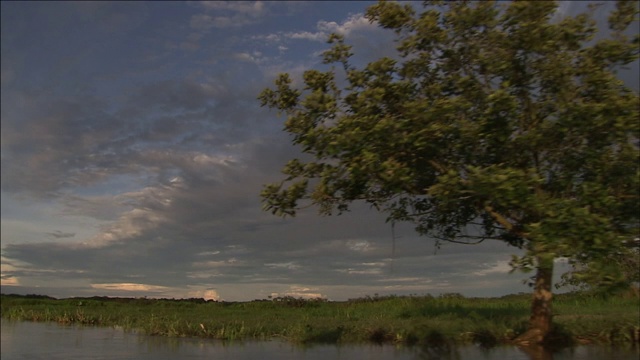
494 121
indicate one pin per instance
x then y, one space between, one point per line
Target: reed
426 320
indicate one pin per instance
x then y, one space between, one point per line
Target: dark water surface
27 340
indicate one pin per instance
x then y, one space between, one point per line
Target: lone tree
493 122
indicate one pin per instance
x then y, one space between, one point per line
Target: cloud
221 15
207 294
57 144
291 265
352 271
6 280
306 35
110 17
255 57
369 42
356 23
61 235
298 291
359 245
7 276
206 22
192 42
269 37
129 287
100 207
236 14
248 8
173 95
208 265
502 267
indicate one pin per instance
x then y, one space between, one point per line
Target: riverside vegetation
449 319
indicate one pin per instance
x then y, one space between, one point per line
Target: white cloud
352 271
150 207
285 265
272 37
359 245
298 291
131 224
207 294
306 35
244 57
208 253
501 267
373 264
354 23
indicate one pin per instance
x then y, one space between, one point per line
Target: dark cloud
53 144
66 143
61 235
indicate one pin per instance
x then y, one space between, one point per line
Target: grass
424 320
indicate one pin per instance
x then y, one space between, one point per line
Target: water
27 340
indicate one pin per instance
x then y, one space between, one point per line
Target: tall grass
426 320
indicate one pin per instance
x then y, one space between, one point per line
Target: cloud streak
61 235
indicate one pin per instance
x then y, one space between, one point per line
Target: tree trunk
541 315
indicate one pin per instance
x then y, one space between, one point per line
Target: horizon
375 297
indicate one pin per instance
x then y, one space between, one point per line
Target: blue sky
134 151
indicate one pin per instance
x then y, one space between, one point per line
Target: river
50 341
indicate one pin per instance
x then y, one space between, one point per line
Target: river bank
414 320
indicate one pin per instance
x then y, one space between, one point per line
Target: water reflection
26 340
528 353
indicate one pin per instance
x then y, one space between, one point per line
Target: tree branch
504 222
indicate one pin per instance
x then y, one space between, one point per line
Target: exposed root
530 337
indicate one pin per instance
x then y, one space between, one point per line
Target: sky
134 151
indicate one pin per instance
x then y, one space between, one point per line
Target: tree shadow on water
323 336
435 346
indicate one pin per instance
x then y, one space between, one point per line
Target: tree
493 122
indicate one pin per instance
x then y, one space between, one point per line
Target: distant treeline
290 301
287 300
109 298
29 296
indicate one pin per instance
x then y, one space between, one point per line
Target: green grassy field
425 320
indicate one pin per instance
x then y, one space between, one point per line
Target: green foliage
620 272
491 116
